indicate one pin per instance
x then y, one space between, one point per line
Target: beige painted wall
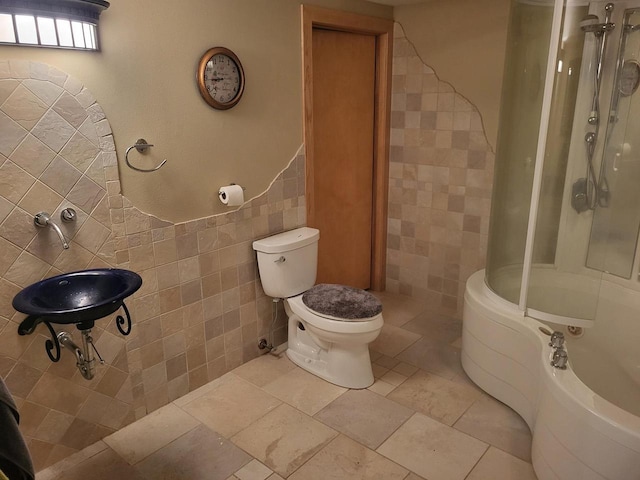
144 78
464 42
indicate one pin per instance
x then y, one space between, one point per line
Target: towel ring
141 146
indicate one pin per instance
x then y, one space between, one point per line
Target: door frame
382 29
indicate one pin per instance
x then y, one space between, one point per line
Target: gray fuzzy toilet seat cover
342 302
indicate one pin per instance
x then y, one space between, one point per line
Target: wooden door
352 75
344 83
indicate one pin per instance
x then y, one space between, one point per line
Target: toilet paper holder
220 192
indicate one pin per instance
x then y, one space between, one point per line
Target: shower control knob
68 215
557 340
560 359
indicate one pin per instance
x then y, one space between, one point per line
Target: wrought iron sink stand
85 360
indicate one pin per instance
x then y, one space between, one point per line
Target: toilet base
348 366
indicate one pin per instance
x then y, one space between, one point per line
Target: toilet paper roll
231 195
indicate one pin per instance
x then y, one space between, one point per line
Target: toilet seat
342 302
333 324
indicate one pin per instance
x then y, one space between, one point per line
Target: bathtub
578 434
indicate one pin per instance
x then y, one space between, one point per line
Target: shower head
588 22
592 24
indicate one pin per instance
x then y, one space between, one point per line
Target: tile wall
200 310
441 172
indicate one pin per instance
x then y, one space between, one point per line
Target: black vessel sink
76 297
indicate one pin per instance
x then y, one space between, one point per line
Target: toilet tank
288 262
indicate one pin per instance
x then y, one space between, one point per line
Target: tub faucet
557 340
560 359
43 219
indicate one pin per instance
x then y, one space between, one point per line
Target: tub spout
43 219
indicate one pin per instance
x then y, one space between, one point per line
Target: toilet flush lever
280 260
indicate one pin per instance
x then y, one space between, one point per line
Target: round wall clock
220 78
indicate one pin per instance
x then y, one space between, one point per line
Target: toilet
330 326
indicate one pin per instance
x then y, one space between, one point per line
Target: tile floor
268 419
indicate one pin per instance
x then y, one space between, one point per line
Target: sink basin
76 297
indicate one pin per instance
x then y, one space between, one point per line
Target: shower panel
614 231
592 190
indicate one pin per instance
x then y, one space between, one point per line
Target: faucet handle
560 359
557 340
41 219
68 215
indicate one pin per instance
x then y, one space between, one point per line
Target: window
71 24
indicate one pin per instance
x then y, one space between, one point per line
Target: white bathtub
577 434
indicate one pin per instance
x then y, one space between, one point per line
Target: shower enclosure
566 202
563 238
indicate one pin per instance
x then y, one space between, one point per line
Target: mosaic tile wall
441 171
200 310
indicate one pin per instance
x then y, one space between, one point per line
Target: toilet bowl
331 341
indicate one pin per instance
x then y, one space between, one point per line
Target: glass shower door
614 232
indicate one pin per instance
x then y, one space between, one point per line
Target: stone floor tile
284 439
201 454
232 406
304 391
381 388
405 369
106 465
275 476
398 309
387 362
345 459
364 416
394 378
443 360
55 471
140 439
435 328
254 470
393 340
207 387
433 450
437 397
495 423
496 464
265 369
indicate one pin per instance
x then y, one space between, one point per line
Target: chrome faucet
557 340
560 359
43 219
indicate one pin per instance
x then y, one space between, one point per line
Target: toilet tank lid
286 241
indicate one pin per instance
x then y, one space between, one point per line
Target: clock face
220 78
